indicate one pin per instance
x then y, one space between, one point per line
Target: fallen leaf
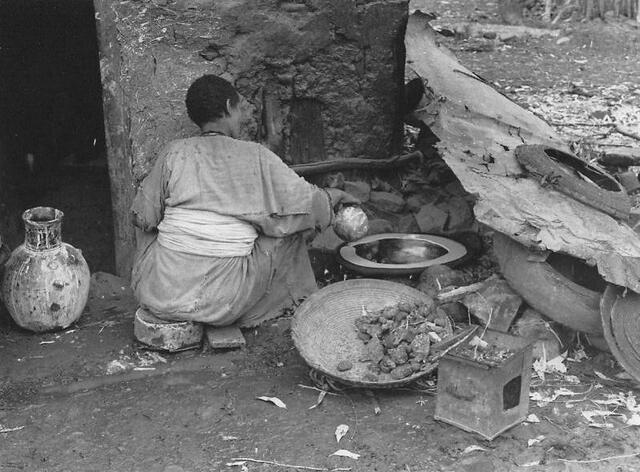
321 396
532 418
341 430
473 448
536 440
634 420
345 453
590 414
601 375
275 400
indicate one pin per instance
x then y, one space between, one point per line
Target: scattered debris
345 453
473 448
555 365
536 440
341 430
5 429
321 396
240 461
275 400
532 418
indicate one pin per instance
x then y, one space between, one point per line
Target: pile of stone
427 199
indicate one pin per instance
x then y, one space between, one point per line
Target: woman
221 221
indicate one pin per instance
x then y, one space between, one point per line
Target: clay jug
46 282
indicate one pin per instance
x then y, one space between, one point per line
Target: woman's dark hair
207 98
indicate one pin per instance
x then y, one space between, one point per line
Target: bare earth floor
88 399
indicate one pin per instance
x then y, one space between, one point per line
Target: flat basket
324 332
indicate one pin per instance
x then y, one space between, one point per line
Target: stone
387 201
335 180
431 219
495 304
533 326
225 337
166 335
408 224
438 277
460 215
359 189
326 241
417 201
380 226
456 311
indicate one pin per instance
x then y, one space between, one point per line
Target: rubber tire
539 162
547 290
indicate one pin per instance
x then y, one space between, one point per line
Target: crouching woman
220 222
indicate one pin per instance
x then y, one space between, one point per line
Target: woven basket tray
324 332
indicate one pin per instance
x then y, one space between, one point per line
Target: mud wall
323 77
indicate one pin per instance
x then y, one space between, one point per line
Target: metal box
485 397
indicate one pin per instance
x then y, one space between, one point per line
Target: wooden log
118 144
334 165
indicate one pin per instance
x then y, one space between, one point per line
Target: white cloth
205 233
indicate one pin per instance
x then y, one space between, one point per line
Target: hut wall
323 78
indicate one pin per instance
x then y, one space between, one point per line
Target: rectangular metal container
481 398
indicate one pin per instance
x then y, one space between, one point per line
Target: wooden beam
335 165
116 123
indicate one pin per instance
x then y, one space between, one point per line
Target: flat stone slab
227 337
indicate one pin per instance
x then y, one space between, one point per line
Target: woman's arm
148 205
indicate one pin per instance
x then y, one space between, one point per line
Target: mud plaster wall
339 62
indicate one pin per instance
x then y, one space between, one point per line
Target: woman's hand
341 198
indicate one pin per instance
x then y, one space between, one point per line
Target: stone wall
323 77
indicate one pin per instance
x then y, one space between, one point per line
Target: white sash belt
205 233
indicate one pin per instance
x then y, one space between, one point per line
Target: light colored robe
240 179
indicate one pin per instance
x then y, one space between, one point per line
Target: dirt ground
88 399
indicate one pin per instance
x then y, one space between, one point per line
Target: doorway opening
52 143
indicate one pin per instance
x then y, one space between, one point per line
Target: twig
290 466
592 461
615 127
460 292
318 390
579 123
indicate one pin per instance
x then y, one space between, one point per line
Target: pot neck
42 228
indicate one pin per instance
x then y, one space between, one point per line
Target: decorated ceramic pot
46 282
351 223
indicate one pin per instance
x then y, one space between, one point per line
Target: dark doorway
52 146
